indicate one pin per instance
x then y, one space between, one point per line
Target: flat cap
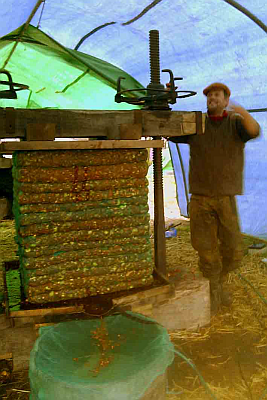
217 85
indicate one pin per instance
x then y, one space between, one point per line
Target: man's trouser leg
231 247
212 219
204 238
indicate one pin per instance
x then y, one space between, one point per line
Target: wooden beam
6 356
7 147
99 123
5 162
38 326
37 131
46 311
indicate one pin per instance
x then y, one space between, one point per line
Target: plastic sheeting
58 77
201 40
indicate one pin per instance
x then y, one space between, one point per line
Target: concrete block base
184 304
188 309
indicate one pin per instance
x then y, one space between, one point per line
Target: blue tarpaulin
202 41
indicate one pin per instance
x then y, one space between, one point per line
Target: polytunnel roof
71 53
201 40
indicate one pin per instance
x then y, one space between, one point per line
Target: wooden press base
182 304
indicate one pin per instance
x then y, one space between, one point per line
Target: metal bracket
13 87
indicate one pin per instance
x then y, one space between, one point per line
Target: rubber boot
226 296
215 297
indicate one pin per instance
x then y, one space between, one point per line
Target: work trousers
215 235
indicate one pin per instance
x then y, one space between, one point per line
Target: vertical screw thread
154 56
158 178
157 158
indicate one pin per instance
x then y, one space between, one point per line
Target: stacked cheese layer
82 222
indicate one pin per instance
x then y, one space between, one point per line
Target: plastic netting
114 243
115 358
81 215
87 231
84 158
80 173
82 222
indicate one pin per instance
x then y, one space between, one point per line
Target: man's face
216 101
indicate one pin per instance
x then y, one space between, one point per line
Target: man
215 177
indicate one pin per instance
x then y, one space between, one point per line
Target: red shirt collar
218 117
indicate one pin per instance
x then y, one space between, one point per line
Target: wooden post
159 221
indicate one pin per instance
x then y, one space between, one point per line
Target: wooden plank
7 147
10 121
132 131
200 130
6 356
162 123
37 131
5 162
38 326
100 123
5 208
46 311
188 128
189 116
142 295
203 122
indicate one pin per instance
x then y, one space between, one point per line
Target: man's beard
214 109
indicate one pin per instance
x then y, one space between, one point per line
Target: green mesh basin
114 358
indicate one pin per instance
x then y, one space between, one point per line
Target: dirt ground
228 363
226 360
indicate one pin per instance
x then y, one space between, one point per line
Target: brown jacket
217 157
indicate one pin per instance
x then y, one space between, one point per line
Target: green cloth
59 77
116 358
